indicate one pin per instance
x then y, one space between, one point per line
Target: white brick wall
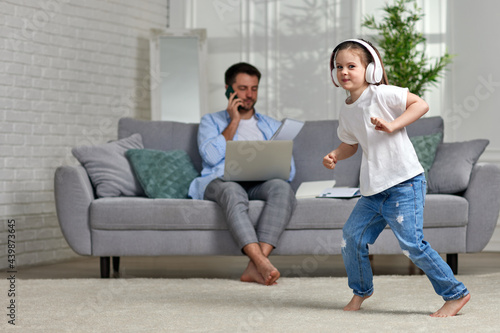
69 69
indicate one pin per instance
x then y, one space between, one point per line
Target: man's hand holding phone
234 103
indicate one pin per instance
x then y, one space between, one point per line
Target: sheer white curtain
290 42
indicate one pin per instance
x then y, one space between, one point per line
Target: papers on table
314 188
340 192
325 189
288 130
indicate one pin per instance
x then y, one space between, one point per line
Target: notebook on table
288 130
313 188
258 160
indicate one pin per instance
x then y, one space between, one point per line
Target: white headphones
374 72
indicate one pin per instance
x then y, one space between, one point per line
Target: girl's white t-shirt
249 131
388 159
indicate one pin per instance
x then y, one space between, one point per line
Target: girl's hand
415 108
330 160
381 125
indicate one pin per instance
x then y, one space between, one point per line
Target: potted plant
403 47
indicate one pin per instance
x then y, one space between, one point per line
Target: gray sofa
112 227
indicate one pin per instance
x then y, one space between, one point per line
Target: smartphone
229 91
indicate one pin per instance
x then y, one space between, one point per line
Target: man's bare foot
264 273
355 303
259 269
451 308
252 275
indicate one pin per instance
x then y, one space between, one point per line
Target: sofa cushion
426 126
127 213
308 153
164 135
426 147
453 164
312 213
163 174
445 210
325 213
108 168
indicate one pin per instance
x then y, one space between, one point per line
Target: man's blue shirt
212 147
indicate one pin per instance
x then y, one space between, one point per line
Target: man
240 121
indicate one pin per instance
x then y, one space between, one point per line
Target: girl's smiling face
351 72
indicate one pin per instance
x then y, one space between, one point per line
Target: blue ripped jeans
401 207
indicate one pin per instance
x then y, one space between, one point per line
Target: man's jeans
402 208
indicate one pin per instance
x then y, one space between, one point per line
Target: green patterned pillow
163 174
426 147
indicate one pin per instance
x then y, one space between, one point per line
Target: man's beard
249 108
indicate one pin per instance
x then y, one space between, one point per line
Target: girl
392 183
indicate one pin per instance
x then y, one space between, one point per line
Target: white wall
68 71
473 85
473 106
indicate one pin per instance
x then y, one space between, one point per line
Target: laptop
258 160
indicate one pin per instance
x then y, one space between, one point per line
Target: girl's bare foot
451 308
355 303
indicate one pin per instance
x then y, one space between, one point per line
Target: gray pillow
450 172
109 170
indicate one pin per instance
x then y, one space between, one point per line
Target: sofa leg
452 260
104 267
116 266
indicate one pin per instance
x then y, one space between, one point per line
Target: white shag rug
399 304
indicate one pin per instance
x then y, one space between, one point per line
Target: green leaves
404 48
